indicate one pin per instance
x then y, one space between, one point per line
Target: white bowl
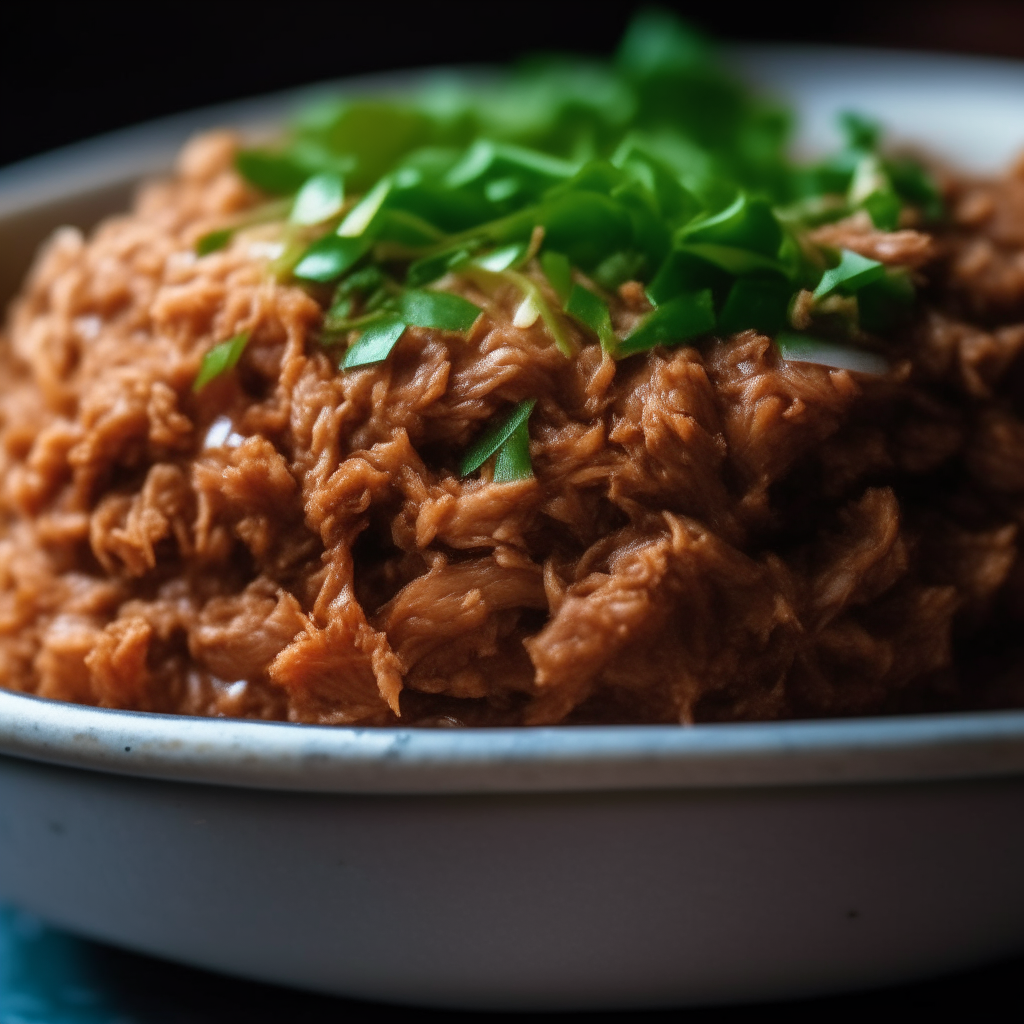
532 868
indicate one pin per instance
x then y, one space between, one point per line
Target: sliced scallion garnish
276 173
657 168
551 319
558 271
854 271
758 303
503 258
591 311
513 461
319 199
440 310
684 317
214 240
496 437
329 257
221 358
375 343
359 217
430 268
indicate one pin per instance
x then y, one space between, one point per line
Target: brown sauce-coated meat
710 534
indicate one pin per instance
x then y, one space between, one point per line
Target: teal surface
49 977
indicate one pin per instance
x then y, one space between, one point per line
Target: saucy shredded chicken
710 532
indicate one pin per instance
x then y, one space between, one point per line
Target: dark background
68 72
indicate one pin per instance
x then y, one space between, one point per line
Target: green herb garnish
886 302
516 464
657 167
758 303
214 240
501 259
513 461
375 343
440 310
221 358
854 271
319 199
684 317
276 173
558 270
591 311
329 257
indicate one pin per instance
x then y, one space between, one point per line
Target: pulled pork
710 534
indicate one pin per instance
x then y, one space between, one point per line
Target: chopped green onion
758 303
480 452
430 268
501 259
914 184
214 240
329 257
440 310
502 188
406 229
854 271
586 226
366 279
732 259
527 312
885 303
276 173
551 319
359 217
804 348
861 132
685 271
558 271
341 309
484 156
678 320
583 305
871 188
374 345
746 224
221 358
619 268
513 461
379 298
884 208
319 199
659 167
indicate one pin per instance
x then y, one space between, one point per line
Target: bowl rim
285 756
338 759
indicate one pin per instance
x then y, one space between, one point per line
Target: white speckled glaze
541 868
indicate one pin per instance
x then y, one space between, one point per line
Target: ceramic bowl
554 868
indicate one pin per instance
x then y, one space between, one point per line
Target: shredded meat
710 534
